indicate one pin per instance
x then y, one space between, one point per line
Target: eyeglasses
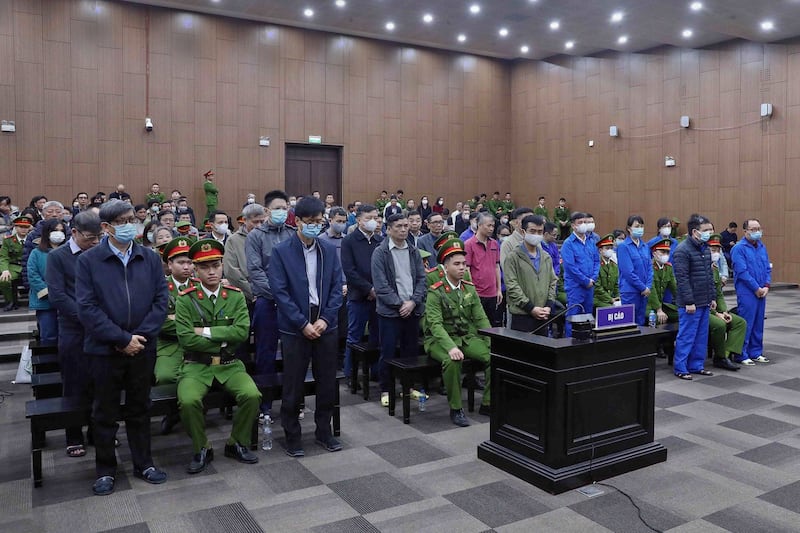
121 221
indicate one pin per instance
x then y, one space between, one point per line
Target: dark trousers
359 314
111 374
47 322
491 309
527 323
297 352
76 379
265 329
404 331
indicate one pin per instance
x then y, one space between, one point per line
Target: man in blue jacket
357 251
122 303
305 276
753 276
61 263
696 298
581 265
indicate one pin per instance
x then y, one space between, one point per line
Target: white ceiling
646 23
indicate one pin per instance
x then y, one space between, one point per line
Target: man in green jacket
211 192
561 218
726 331
663 279
453 316
211 321
530 279
606 290
11 260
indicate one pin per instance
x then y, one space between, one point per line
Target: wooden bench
43 363
46 385
39 348
365 355
59 413
411 369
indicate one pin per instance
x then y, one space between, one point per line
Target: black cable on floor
3 394
638 509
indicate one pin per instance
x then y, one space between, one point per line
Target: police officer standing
211 320
454 315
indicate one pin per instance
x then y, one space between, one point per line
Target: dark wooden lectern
566 413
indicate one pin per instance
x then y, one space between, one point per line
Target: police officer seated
211 321
452 319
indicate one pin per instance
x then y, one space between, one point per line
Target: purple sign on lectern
614 317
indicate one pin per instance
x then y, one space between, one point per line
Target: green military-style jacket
508 206
229 324
435 274
561 214
167 344
494 205
606 290
561 292
381 205
663 279
159 196
542 211
452 315
212 195
11 255
722 307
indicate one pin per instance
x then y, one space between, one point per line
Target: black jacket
692 265
357 263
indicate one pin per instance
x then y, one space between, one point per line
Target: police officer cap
206 250
443 238
450 247
715 240
174 248
663 244
608 240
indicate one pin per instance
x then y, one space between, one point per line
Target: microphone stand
556 317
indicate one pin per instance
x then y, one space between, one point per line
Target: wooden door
314 168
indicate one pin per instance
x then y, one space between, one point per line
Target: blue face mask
278 216
637 233
311 231
755 235
704 235
125 233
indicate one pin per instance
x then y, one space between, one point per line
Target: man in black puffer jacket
696 297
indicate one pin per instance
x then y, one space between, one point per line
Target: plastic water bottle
422 399
651 320
266 441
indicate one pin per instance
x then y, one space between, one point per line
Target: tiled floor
734 464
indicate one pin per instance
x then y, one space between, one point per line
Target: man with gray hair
50 210
235 261
483 260
60 276
122 297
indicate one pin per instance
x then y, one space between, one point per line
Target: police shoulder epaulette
188 290
427 270
232 288
668 263
467 282
11 237
437 285
194 280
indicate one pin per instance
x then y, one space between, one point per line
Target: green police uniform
453 317
381 205
212 195
663 280
508 206
168 350
730 346
157 196
561 218
561 292
606 290
541 211
11 260
495 207
436 274
209 357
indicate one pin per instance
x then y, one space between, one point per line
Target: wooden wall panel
730 165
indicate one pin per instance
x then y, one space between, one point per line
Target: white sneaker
761 359
385 399
747 362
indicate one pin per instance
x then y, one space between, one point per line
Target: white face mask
292 202
582 228
662 258
666 231
370 225
533 240
590 226
221 228
57 237
715 257
608 253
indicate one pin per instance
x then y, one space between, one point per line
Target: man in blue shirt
581 266
752 280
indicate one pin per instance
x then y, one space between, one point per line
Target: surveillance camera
148 124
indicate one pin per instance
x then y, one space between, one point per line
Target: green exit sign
315 139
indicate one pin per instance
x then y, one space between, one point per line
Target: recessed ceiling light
308 12
555 25
767 25
696 6
462 37
390 26
503 32
687 33
475 9
623 39
569 45
524 48
617 16
340 3
427 18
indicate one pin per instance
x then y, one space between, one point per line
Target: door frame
340 155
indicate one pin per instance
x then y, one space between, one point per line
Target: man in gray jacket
258 248
398 277
235 260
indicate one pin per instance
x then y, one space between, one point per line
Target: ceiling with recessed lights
534 29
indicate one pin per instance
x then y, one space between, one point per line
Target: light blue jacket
37 268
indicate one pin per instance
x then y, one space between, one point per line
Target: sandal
704 372
687 377
76 451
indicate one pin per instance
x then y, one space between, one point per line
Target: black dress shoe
725 363
151 474
103 486
485 410
458 418
476 382
295 451
168 422
330 444
240 453
200 460
11 307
